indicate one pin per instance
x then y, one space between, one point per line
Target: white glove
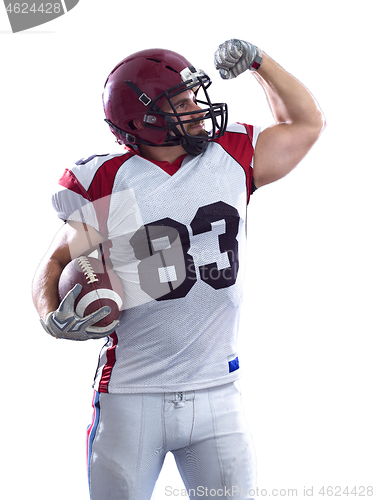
233 57
65 324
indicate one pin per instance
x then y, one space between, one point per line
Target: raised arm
299 121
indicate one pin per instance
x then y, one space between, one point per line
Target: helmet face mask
142 96
216 114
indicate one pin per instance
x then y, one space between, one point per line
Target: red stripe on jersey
101 188
104 178
111 360
100 192
240 147
69 181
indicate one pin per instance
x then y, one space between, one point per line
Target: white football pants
204 429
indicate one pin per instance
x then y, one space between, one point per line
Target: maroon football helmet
137 88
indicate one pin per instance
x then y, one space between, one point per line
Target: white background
306 339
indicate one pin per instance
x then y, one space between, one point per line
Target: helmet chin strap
193 145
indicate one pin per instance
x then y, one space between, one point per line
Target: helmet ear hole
136 124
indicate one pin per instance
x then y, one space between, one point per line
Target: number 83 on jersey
167 270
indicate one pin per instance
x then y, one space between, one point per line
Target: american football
100 287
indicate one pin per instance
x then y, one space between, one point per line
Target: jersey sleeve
84 191
239 141
72 202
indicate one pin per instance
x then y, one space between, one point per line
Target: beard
190 129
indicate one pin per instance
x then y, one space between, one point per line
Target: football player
168 214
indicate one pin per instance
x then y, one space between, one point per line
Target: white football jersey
177 242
